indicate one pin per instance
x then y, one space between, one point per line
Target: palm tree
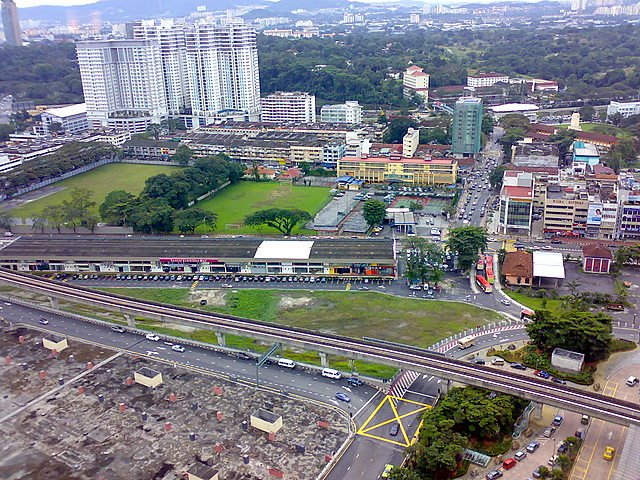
573 286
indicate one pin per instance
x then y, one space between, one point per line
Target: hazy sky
33 3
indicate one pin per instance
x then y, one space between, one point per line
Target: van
286 363
331 373
631 381
509 463
497 361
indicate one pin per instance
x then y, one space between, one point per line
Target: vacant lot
355 314
233 203
102 180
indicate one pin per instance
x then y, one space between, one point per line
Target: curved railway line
595 404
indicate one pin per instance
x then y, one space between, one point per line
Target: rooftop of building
548 264
141 247
596 250
68 111
584 149
151 143
534 170
487 75
517 192
518 264
469 100
514 107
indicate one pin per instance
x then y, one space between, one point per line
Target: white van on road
286 363
331 373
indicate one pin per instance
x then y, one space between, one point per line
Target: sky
62 3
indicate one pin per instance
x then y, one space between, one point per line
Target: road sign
265 356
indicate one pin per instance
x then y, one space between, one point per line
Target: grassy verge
535 303
101 181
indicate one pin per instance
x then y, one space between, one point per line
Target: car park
177 348
152 337
43 321
493 475
118 328
343 397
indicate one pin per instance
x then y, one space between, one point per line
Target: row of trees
465 417
69 157
424 260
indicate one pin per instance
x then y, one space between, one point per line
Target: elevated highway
591 403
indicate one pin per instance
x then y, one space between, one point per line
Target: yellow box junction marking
368 426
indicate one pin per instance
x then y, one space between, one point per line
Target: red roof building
596 258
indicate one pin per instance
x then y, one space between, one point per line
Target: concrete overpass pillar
131 319
55 304
323 359
538 411
222 341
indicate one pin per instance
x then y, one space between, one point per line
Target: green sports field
235 202
102 180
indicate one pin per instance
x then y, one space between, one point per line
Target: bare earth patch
216 298
290 303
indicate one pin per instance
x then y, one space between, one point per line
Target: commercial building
150 149
536 154
348 112
516 202
9 162
242 256
11 23
565 210
583 154
397 168
123 84
72 119
283 107
626 109
629 218
536 270
466 133
528 110
416 82
486 79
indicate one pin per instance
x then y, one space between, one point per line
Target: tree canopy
281 219
424 259
467 243
374 212
186 221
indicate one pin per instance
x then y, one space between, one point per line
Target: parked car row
170 277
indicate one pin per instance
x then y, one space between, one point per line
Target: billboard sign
594 214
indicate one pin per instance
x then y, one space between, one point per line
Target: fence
64 176
208 194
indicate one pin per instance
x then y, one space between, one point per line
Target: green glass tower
467 126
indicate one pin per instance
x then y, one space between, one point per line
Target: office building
416 82
516 202
348 112
626 109
11 23
72 119
411 171
565 210
629 218
467 126
283 107
123 84
486 79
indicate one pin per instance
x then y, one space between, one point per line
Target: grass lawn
605 128
102 180
355 314
535 303
235 202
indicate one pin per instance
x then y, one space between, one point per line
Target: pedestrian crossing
402 383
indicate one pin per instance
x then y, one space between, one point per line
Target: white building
283 107
516 202
486 79
9 163
72 118
415 81
414 18
348 112
626 109
527 109
222 67
123 83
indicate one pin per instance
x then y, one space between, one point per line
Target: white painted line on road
368 402
419 393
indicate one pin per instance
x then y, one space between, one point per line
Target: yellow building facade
415 171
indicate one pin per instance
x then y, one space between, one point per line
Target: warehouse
108 254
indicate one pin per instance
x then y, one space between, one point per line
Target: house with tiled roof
596 258
517 268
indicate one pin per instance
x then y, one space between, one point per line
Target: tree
154 129
415 206
281 219
55 216
587 112
6 220
183 155
186 221
398 129
117 207
466 243
558 474
423 260
583 332
487 124
496 176
573 286
621 154
374 212
545 473
77 209
39 223
5 131
55 127
173 189
150 215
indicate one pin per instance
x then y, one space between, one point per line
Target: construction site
74 410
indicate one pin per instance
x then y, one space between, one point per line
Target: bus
489 269
466 342
483 284
480 264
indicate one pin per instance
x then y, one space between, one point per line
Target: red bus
483 284
488 270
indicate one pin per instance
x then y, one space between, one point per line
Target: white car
505 302
178 348
152 336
